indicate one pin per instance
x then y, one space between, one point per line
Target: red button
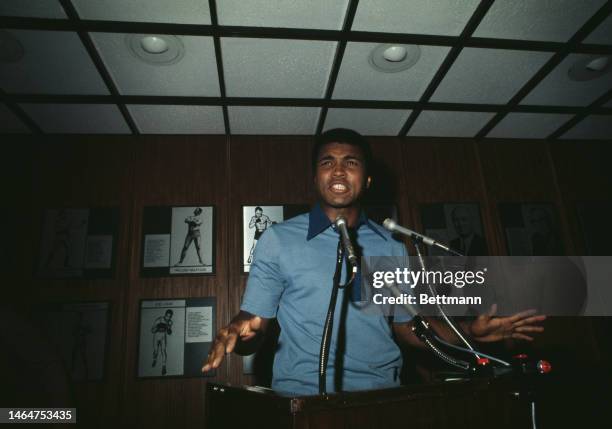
482 361
544 367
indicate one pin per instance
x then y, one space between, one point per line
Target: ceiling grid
213 17
470 27
554 61
95 57
346 27
496 61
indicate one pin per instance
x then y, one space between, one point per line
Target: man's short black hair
342 135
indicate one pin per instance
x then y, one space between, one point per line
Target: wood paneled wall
134 172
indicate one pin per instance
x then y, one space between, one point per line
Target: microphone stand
424 333
449 321
329 319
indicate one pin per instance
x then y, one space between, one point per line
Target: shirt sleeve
266 282
402 315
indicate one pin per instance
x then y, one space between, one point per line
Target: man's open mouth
339 188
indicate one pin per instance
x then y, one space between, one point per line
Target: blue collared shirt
291 279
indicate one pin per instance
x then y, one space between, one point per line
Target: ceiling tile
54 62
555 21
488 75
9 123
321 14
175 11
195 74
273 120
371 122
444 17
528 125
449 124
602 34
358 80
597 127
178 119
559 90
77 118
32 8
276 68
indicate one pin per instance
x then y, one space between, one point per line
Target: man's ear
368 182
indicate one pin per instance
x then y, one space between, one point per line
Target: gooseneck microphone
392 226
342 228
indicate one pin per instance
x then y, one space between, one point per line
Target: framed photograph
256 220
531 229
80 332
175 336
78 242
458 225
594 218
177 241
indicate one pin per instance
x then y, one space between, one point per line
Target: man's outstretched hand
520 326
243 327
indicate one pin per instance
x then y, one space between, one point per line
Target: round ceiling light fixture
154 44
395 53
11 49
156 49
590 67
394 58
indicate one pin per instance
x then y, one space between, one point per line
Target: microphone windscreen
389 224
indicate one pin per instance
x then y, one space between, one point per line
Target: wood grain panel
524 171
79 172
389 178
173 170
443 171
519 171
135 172
264 170
583 174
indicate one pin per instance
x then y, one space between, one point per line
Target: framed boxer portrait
257 219
177 240
175 335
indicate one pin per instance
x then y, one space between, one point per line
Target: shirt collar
319 222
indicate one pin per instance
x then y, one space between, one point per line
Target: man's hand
243 327
488 328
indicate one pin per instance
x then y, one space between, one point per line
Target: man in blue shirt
291 277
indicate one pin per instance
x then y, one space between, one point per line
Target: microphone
351 256
392 226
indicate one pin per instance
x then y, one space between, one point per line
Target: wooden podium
478 403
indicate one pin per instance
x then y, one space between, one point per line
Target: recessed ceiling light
394 58
590 68
394 53
156 49
154 44
598 64
11 49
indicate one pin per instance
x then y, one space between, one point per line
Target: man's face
462 222
258 213
340 177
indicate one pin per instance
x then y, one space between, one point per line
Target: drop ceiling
487 69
